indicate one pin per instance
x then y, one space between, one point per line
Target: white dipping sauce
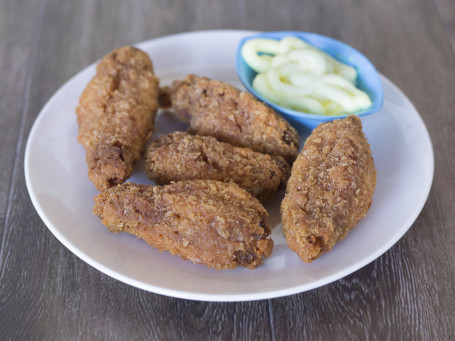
296 75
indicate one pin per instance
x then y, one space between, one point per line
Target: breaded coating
208 222
330 189
182 156
116 115
220 110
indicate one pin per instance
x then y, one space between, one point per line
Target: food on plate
330 189
296 75
220 110
208 222
116 115
182 156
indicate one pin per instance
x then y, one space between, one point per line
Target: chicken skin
208 222
330 189
220 110
116 115
182 156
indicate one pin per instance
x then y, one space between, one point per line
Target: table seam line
271 321
442 23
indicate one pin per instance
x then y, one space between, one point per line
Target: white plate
56 177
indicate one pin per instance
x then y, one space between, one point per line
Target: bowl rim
278 35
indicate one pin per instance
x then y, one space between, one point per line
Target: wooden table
47 293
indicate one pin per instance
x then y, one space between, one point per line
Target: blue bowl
367 77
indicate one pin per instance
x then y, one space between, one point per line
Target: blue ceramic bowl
367 78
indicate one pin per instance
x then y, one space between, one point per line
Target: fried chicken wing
220 110
182 156
330 189
116 115
208 222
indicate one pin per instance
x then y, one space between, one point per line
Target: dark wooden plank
98 27
16 45
48 293
390 299
78 302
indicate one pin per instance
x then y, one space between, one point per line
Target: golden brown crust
116 115
208 222
330 189
220 110
182 156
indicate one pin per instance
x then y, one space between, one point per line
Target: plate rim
222 297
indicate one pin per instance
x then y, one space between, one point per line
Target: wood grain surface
47 293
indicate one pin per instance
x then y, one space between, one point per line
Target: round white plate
56 177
